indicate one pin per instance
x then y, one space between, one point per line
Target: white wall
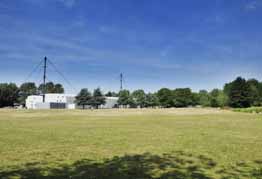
59 98
36 102
110 102
42 105
31 101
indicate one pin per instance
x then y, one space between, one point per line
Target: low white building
62 101
32 102
111 102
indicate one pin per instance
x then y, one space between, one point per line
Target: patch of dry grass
52 138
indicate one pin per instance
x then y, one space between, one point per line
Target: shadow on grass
243 170
178 165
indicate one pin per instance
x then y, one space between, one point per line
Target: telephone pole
121 81
44 79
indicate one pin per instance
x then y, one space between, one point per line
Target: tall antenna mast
44 79
121 81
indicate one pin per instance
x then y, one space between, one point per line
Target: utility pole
44 79
121 81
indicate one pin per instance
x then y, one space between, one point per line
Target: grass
125 144
249 110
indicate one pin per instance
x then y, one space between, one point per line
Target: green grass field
250 110
130 144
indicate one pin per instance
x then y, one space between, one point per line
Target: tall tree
195 99
125 98
111 94
222 99
25 90
260 92
98 98
58 88
240 94
218 98
214 98
51 88
83 98
183 97
139 97
165 97
255 92
204 98
151 100
8 94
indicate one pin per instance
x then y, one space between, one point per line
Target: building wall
36 102
31 101
111 102
42 105
59 98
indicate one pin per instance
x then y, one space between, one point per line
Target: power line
33 71
30 74
62 75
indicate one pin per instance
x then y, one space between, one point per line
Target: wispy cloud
252 5
68 3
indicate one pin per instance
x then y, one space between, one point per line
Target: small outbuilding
62 101
52 101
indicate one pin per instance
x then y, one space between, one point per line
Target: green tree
214 98
125 98
165 97
111 94
255 92
25 90
218 98
183 97
151 100
260 92
58 88
204 98
195 99
222 99
97 98
83 98
139 97
51 88
8 94
240 93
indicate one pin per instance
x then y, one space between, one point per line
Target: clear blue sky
155 43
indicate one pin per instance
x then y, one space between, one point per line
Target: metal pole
44 79
121 82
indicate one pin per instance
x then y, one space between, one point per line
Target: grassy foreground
130 144
250 110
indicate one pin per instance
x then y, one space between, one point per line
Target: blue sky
155 43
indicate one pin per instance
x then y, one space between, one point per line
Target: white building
32 101
62 101
111 102
65 101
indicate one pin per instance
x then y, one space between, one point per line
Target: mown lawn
130 144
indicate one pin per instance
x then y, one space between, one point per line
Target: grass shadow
178 165
242 170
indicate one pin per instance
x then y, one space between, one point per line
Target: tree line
86 99
11 94
240 93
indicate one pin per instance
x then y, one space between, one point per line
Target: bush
249 110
